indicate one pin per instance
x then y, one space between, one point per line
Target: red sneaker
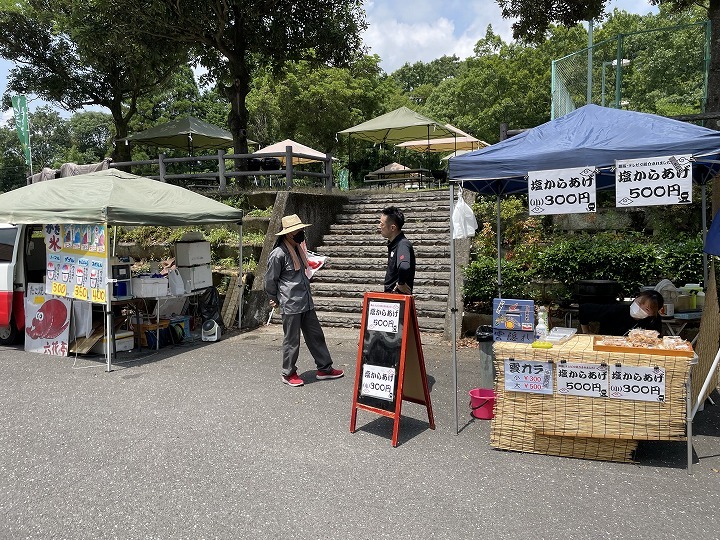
332 374
293 380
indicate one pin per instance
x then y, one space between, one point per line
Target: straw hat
292 223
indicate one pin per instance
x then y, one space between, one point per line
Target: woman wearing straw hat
288 286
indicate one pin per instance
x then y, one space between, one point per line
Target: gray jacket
288 287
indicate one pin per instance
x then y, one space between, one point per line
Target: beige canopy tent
390 168
297 148
461 141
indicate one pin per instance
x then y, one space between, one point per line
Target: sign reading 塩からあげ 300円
76 261
562 191
653 181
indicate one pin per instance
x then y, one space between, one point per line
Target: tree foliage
73 54
233 39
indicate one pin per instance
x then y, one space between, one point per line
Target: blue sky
417 30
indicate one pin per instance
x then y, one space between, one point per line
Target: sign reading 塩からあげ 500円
76 261
562 191
653 181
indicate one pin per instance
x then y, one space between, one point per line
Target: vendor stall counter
575 401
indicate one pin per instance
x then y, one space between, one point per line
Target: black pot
597 291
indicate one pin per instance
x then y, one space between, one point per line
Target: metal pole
618 72
240 280
553 97
590 61
704 232
602 85
108 322
453 309
689 421
498 248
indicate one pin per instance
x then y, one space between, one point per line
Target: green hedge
631 259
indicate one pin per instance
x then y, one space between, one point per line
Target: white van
22 261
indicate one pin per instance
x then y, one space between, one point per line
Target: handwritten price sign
59 289
383 316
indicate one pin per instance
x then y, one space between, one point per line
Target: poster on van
47 322
76 261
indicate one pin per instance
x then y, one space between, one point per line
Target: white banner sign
574 379
383 316
562 191
637 383
528 376
378 381
653 181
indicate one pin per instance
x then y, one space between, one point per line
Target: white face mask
636 312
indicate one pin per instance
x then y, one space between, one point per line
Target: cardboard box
124 341
192 253
196 277
149 287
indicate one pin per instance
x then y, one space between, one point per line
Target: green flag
20 110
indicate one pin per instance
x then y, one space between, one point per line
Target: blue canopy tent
589 136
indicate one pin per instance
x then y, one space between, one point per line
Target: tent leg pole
453 310
240 280
498 248
704 233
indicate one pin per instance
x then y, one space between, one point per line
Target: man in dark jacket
400 273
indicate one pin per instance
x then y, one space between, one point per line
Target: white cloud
5 117
401 31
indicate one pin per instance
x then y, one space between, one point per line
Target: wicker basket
586 427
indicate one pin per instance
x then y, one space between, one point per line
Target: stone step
389 198
357 290
422 278
352 229
434 216
439 251
376 262
413 209
366 240
354 305
335 319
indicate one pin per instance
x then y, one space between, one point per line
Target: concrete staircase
357 257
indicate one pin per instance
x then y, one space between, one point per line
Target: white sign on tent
653 181
562 191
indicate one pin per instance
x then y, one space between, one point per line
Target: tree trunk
238 121
121 151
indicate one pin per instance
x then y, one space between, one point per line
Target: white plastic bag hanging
463 218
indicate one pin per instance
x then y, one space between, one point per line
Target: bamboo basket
586 427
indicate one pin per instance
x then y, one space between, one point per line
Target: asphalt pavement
204 441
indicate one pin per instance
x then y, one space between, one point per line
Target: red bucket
482 402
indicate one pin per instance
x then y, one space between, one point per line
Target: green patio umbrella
398 126
185 133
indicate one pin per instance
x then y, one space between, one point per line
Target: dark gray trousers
314 339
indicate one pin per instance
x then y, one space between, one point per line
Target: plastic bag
176 284
463 218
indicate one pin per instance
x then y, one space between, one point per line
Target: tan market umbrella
297 148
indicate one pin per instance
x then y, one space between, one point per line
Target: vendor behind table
619 319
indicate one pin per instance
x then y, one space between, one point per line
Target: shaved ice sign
76 261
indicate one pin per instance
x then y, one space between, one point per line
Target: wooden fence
219 180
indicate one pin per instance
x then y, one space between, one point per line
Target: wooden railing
220 178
